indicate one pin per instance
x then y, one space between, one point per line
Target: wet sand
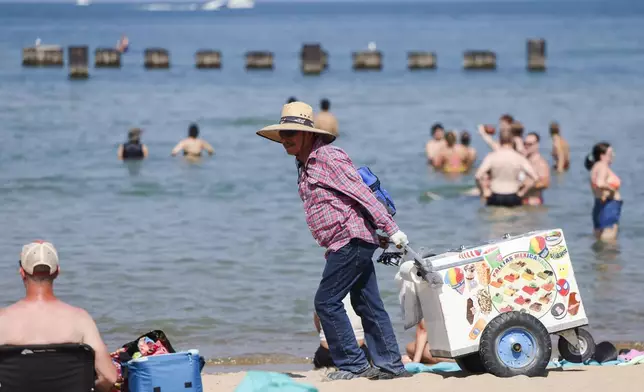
589 378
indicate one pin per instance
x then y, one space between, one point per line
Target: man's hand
384 242
399 239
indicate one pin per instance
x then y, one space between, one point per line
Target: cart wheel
471 363
515 343
586 347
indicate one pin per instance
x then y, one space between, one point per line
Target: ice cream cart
493 307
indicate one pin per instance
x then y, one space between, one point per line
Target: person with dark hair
517 137
133 149
41 318
291 99
504 166
192 146
505 122
534 196
605 185
560 149
325 120
466 139
435 144
453 157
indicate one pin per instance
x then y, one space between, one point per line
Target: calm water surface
218 254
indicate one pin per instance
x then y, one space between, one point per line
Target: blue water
218 254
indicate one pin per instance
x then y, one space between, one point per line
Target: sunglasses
287 134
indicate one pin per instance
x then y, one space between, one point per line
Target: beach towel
409 302
448 367
256 381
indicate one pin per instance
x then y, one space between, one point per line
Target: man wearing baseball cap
342 214
41 318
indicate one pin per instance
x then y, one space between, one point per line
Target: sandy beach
588 378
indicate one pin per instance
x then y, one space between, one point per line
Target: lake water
218 254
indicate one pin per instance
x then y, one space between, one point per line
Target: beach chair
47 368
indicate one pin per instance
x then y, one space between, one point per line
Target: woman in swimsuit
605 187
453 158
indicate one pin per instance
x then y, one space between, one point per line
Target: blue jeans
351 270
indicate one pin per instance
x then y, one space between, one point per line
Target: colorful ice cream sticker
493 257
455 279
538 247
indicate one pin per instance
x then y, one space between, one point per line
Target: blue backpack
373 183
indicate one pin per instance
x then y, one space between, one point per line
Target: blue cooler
176 372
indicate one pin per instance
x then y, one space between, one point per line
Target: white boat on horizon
236 4
82 3
213 5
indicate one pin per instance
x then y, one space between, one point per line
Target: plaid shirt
336 199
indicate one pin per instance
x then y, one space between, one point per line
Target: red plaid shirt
335 199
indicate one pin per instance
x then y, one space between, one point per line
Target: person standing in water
466 139
504 166
133 149
605 186
560 149
452 158
192 146
436 143
325 120
534 196
123 44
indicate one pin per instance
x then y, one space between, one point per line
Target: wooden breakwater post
157 58
259 60
43 56
421 60
536 55
208 59
479 59
367 60
107 58
314 60
78 62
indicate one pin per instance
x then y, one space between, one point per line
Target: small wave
163 7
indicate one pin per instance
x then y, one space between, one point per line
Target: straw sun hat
296 116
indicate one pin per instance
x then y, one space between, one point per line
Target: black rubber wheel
515 343
471 363
586 347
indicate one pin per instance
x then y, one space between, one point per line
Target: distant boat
82 2
213 5
241 3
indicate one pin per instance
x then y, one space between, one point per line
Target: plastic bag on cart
412 313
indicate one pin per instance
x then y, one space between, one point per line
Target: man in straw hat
41 318
342 214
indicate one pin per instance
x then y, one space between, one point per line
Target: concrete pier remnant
208 59
43 56
421 60
157 58
78 62
536 55
259 60
107 58
479 59
314 60
367 60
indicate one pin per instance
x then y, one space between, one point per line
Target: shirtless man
466 139
504 166
41 318
534 196
325 120
506 123
436 143
192 146
560 149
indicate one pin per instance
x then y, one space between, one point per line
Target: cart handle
396 258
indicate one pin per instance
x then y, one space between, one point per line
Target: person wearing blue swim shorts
605 185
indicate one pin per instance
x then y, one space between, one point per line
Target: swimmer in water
534 196
504 166
560 149
123 44
192 146
604 185
453 158
471 151
133 149
435 144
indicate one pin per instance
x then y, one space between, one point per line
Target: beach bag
381 194
176 372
